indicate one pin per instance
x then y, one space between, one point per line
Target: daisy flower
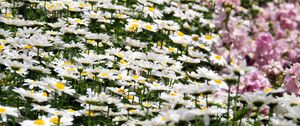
120 91
157 86
219 82
6 110
150 11
61 87
134 25
38 122
217 59
257 99
40 96
150 27
209 39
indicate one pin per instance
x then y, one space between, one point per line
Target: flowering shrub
149 62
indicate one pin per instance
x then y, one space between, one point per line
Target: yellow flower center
67 63
121 91
232 61
59 86
39 122
163 118
71 110
142 81
45 94
3 41
155 84
218 57
2 47
202 46
71 70
79 21
149 27
54 120
173 94
135 77
171 49
20 70
218 81
118 15
135 25
159 43
82 5
2 110
51 7
120 55
84 73
91 113
129 97
91 41
267 90
123 62
208 37
27 46
130 83
71 8
120 77
132 29
152 9
180 33
104 74
131 110
147 104
8 15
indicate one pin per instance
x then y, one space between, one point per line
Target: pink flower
255 81
234 2
265 52
291 82
273 69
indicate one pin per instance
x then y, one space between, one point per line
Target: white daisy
217 59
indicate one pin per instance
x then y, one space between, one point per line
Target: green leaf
240 114
257 123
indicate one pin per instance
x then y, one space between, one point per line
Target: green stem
240 121
89 120
257 116
58 123
236 95
196 100
13 121
228 103
270 114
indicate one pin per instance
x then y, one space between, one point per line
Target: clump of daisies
146 62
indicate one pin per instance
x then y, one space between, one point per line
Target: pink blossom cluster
268 41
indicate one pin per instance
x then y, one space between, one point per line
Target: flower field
149 63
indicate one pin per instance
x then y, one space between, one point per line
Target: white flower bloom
209 39
38 122
257 99
150 11
217 59
6 110
135 43
35 96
